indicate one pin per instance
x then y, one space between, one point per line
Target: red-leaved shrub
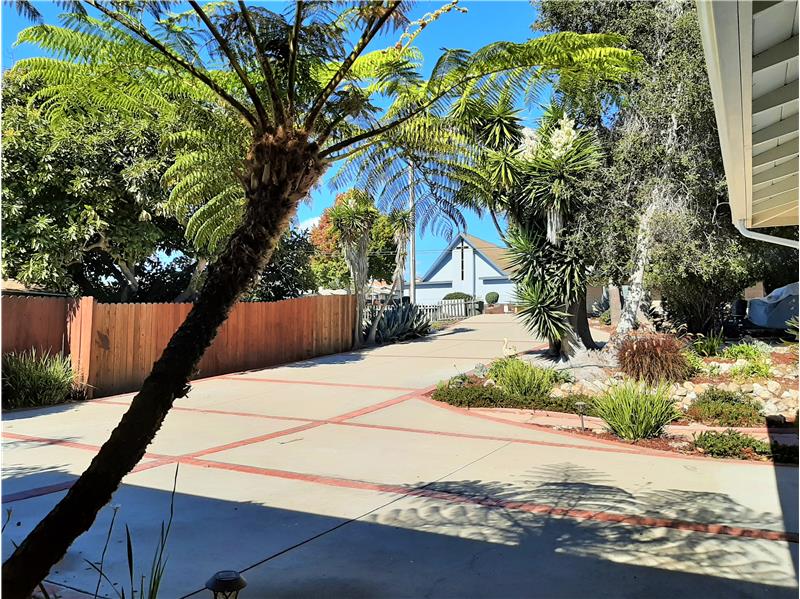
653 358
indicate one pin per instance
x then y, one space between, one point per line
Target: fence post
81 332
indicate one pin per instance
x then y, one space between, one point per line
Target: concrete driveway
336 478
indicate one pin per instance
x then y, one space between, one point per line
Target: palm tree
402 224
352 219
304 95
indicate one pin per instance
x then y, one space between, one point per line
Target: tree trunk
278 172
190 293
581 322
397 279
636 286
131 284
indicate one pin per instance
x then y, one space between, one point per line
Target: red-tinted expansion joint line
489 502
252 379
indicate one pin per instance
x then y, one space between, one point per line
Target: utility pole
412 205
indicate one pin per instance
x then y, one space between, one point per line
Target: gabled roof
495 255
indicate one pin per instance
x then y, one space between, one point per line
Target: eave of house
751 51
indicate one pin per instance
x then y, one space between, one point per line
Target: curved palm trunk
278 173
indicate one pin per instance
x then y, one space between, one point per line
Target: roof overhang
751 51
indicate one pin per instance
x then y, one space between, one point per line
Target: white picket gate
453 309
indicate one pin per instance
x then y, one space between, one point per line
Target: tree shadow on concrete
467 540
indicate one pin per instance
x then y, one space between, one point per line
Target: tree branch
293 51
373 26
274 94
226 49
192 70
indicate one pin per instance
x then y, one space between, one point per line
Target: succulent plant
400 323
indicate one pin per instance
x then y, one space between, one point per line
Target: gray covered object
773 311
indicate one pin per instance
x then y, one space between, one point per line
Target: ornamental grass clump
746 351
634 410
653 358
518 378
708 345
35 379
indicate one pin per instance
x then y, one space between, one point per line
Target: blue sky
485 22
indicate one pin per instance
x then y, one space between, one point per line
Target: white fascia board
726 49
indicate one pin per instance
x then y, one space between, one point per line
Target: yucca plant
305 92
634 410
36 379
352 218
402 223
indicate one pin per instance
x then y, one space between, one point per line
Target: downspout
740 226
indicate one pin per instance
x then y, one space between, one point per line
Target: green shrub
743 350
605 317
457 295
461 392
653 358
472 396
708 345
718 407
731 444
521 379
758 368
566 404
635 411
697 366
492 298
31 379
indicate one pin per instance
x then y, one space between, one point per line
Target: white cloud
309 223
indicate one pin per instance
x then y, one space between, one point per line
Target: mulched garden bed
668 443
783 358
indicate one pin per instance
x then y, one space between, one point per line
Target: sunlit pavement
336 477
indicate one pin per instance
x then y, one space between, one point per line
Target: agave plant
399 323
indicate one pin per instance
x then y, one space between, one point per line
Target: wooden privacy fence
113 346
33 322
454 309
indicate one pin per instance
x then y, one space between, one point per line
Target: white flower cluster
562 137
528 143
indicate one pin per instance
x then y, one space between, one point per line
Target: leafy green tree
80 203
328 264
656 214
306 97
289 273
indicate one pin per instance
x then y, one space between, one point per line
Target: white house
469 265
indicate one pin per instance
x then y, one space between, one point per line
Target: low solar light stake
226 584
580 407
